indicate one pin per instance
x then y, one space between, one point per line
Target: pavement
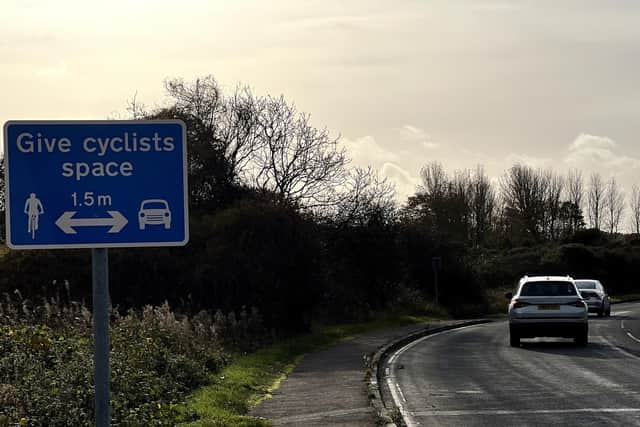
473 377
328 387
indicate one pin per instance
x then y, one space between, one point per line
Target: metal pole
100 274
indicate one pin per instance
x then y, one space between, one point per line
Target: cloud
586 141
365 151
404 182
413 134
524 159
599 153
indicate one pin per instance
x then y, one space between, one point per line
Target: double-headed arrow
67 222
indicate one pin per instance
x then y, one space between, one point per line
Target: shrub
157 358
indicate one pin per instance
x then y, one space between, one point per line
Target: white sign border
7 198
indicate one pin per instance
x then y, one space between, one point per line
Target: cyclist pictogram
33 208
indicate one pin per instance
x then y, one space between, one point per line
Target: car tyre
601 312
514 340
582 340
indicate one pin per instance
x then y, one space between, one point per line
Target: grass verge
624 298
251 378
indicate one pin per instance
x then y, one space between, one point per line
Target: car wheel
608 312
514 340
582 339
601 312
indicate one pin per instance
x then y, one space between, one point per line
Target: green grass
251 378
625 297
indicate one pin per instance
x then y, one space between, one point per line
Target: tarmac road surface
472 377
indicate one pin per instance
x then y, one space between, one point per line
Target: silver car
547 306
595 296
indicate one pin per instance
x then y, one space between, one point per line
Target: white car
547 306
154 212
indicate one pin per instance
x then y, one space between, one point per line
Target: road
472 377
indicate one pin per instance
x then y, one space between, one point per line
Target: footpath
328 387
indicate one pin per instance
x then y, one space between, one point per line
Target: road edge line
386 410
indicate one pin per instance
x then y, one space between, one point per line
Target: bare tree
483 205
595 200
614 205
575 191
554 186
575 187
367 197
434 180
524 192
634 204
298 162
229 124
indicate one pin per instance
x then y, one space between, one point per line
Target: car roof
527 279
155 201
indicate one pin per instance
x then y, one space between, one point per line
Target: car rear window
543 289
586 285
587 294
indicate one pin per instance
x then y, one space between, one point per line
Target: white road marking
618 313
598 380
618 349
463 413
632 337
394 388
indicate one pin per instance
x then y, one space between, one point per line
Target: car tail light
520 304
578 303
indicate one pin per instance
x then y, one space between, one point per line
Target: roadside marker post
96 184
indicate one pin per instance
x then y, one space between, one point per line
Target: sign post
96 184
100 278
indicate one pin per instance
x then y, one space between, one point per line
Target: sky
463 82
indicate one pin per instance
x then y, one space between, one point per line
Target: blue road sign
96 184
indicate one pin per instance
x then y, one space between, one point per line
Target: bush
157 358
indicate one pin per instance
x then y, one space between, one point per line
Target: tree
367 197
482 205
595 200
298 162
571 219
525 195
444 203
575 187
614 205
553 204
634 204
575 194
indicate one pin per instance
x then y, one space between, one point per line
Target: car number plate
549 307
